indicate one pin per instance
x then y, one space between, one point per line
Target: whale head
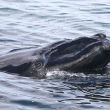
80 54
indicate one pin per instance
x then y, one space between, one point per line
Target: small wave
7 40
12 10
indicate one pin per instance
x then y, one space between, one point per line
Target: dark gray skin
68 55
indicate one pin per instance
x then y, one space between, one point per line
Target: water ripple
10 10
29 24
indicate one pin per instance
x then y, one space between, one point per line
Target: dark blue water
28 24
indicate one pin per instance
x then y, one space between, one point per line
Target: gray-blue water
34 23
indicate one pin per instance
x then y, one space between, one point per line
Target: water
34 23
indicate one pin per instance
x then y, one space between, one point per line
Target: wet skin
84 53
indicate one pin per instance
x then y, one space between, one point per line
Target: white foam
63 74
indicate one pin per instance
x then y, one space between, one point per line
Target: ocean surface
26 24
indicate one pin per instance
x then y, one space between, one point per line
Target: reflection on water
26 24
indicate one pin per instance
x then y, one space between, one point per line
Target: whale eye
38 64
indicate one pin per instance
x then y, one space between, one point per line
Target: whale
79 54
